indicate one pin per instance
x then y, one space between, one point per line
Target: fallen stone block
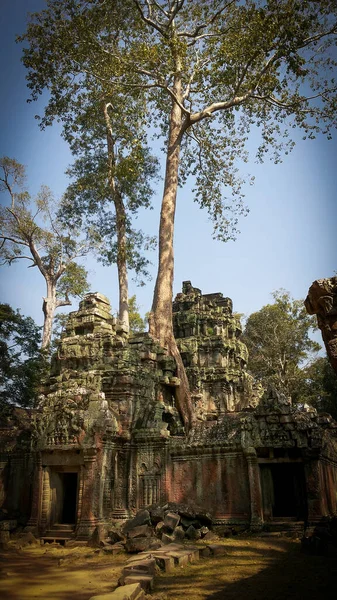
147 565
210 536
133 591
145 581
165 563
137 544
171 520
178 534
181 558
193 553
155 544
192 533
167 538
156 513
140 531
113 550
141 518
217 549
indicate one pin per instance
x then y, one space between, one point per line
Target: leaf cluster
22 364
265 65
279 343
30 229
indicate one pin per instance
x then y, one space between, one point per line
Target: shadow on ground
255 569
54 574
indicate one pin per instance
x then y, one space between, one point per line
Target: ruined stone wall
214 479
322 302
208 338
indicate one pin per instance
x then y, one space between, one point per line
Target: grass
253 569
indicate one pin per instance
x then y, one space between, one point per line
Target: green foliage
319 387
31 230
136 322
22 364
265 65
279 343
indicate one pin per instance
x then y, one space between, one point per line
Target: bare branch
8 238
149 21
202 26
62 303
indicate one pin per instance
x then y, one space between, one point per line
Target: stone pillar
314 492
88 517
119 494
45 505
34 521
256 510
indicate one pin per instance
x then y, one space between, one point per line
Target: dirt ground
253 568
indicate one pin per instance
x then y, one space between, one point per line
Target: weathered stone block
145 565
145 581
193 534
166 538
141 518
133 591
171 520
178 534
137 544
140 531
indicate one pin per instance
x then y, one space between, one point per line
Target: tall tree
279 344
319 387
111 178
30 230
21 363
210 72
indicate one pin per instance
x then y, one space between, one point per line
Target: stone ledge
132 591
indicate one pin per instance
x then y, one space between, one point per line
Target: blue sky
287 240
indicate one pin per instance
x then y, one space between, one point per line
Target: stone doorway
64 497
283 491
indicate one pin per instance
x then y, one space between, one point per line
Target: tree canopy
279 344
31 230
21 363
319 386
208 73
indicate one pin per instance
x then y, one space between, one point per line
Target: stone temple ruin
107 439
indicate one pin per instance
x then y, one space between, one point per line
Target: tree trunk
160 321
123 314
49 306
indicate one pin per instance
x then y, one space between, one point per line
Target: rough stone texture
133 591
140 531
171 520
107 427
138 544
322 301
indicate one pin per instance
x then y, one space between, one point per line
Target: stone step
63 526
125 592
283 526
145 581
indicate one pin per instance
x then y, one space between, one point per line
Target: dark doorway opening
284 491
69 481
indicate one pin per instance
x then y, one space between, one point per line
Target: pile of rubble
167 524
